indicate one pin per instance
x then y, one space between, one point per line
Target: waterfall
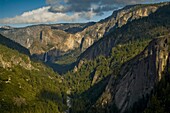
46 57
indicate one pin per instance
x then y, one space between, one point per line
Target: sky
19 13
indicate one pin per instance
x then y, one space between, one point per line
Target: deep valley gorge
120 64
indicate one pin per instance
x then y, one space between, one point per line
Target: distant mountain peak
6 27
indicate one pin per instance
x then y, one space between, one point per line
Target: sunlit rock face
62 38
117 19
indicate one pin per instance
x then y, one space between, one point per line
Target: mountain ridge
54 38
113 38
120 71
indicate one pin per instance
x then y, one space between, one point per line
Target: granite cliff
138 77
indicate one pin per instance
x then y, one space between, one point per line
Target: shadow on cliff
83 103
13 45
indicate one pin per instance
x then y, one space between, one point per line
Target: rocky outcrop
137 77
15 61
13 54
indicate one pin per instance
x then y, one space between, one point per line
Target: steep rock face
39 39
60 38
137 77
42 38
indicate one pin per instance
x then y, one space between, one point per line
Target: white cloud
43 15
